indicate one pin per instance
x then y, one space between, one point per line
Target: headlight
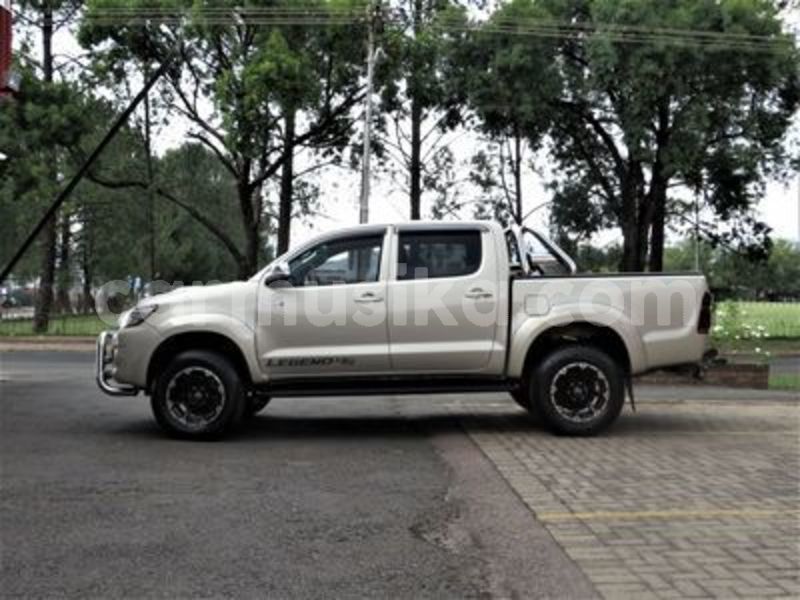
136 316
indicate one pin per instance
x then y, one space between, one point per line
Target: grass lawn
757 328
785 382
79 325
765 345
775 319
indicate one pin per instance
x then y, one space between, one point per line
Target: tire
255 405
524 396
520 396
579 390
198 396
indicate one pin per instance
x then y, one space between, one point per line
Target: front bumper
104 370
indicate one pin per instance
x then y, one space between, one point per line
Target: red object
5 47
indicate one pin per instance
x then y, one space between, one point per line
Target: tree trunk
64 277
518 177
287 184
643 236
44 299
248 264
636 218
415 166
630 229
659 184
151 201
87 302
656 260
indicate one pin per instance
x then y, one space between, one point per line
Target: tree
326 57
256 81
513 111
737 275
634 105
36 131
643 114
45 17
419 95
113 224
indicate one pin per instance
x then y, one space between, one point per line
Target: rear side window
432 254
513 249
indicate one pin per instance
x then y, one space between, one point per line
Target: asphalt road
365 497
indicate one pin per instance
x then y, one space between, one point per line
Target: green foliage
421 99
512 79
786 382
631 116
37 131
733 274
734 320
591 259
625 119
60 325
418 59
253 76
116 222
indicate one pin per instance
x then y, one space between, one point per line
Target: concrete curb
47 343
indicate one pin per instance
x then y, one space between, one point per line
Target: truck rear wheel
520 396
579 390
198 396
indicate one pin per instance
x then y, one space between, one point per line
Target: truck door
443 299
330 318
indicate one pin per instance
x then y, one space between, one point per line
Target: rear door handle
368 297
478 293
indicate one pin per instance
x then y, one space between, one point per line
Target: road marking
763 432
612 515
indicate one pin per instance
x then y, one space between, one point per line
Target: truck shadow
316 422
359 426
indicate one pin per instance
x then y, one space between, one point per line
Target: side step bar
376 387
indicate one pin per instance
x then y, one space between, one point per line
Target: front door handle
368 297
478 293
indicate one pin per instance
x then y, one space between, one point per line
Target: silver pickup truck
407 308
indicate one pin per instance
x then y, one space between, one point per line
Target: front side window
342 261
433 254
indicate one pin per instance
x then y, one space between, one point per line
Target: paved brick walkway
681 500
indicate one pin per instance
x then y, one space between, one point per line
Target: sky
340 188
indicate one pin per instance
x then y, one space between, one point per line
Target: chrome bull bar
103 374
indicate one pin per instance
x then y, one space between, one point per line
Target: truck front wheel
199 395
579 390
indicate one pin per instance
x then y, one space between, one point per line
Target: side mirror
280 272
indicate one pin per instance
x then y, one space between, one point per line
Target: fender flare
236 331
532 328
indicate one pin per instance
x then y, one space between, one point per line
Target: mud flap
629 385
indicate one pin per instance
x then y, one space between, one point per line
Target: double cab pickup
407 308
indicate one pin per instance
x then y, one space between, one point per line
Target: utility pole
373 14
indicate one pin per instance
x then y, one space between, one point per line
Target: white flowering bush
734 322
